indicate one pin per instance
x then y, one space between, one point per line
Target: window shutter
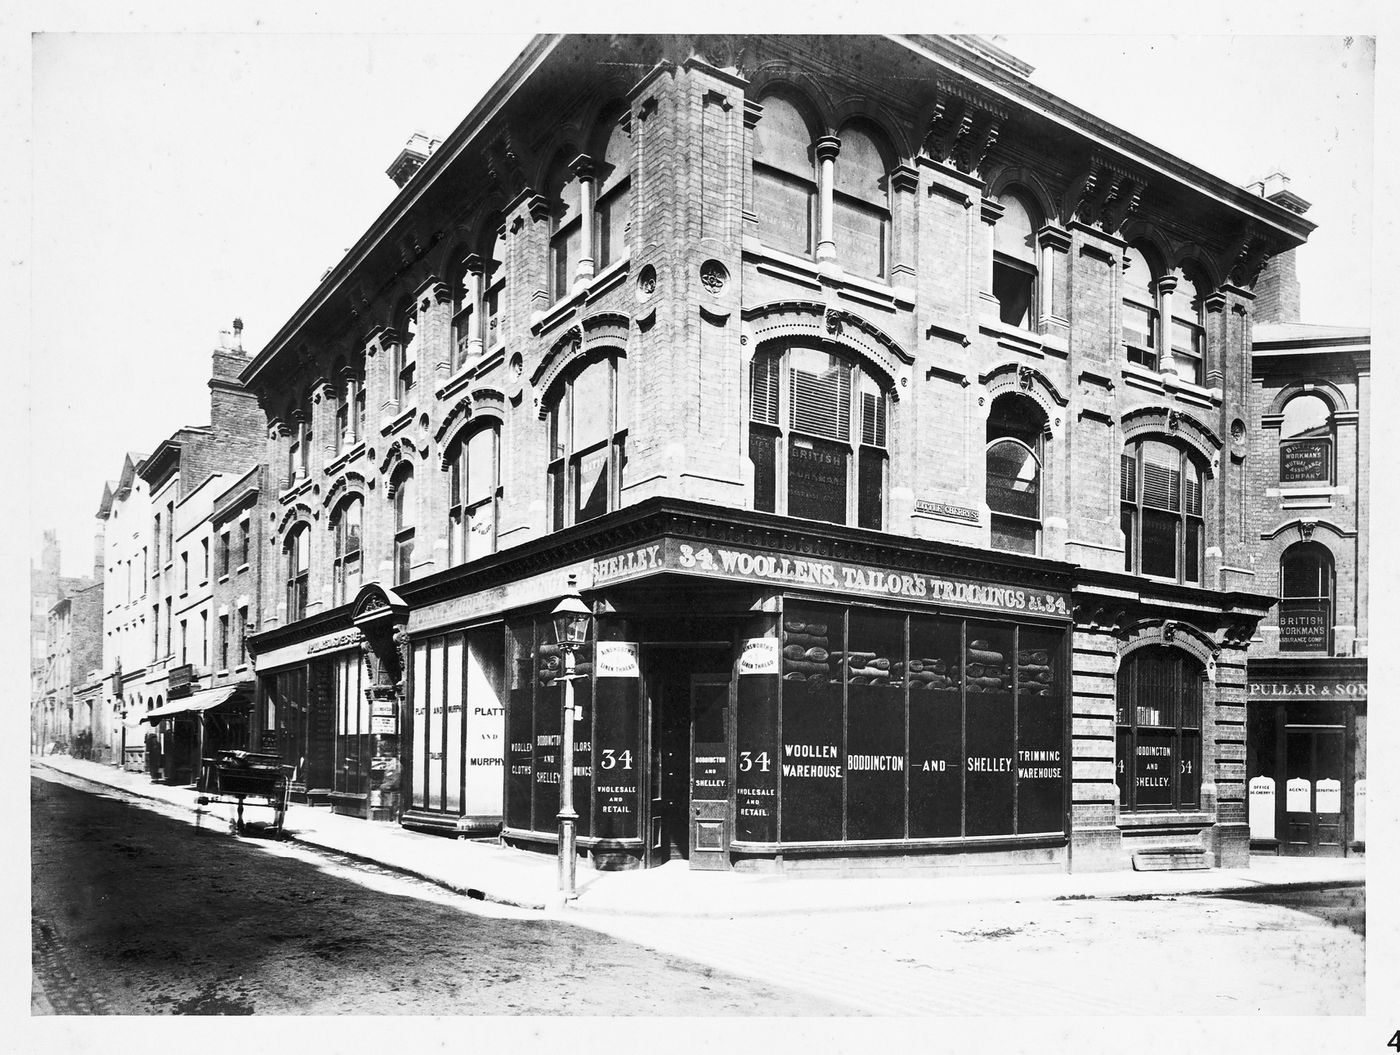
872 419
821 403
763 395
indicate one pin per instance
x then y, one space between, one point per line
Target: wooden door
709 772
1314 774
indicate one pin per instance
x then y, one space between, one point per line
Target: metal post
568 819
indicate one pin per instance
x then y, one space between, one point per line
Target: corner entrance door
709 772
1315 758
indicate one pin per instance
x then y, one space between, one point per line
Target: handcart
235 776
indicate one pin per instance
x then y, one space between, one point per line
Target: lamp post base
568 854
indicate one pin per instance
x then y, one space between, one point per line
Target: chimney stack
411 158
1277 295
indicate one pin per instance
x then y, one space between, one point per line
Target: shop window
346 526
474 491
405 354
1014 268
1015 453
612 213
1188 331
1305 441
587 442
861 204
405 525
296 553
1141 315
1305 601
565 199
818 437
784 178
1161 512
1159 730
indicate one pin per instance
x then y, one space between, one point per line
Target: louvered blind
1193 494
872 419
763 384
1161 487
1128 478
821 403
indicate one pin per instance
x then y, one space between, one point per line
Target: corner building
880 405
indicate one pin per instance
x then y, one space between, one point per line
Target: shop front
1307 756
193 727
778 701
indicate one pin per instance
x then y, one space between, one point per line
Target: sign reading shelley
864 580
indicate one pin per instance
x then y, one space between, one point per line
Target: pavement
485 870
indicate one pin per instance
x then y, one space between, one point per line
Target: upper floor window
473 495
1162 519
405 525
245 541
784 178
1141 316
406 354
1305 441
1015 272
345 571
463 285
1305 601
349 412
1188 329
169 531
818 437
1015 453
224 553
612 214
1160 692
587 442
156 537
566 229
861 204
493 281
296 555
204 560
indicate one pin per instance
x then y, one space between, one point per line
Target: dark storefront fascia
1307 754
927 711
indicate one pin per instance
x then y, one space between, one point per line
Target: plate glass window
1015 449
1162 512
1141 319
784 178
1014 270
587 438
1305 601
861 204
1158 766
1305 441
473 496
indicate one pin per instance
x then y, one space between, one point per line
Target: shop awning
195 703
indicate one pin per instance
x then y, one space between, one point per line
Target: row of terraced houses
946 471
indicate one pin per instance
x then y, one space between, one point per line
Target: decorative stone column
992 211
583 169
827 147
1166 288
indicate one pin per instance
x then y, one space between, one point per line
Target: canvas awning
194 703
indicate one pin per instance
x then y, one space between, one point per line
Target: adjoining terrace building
891 414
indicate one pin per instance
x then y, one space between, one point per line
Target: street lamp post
571 618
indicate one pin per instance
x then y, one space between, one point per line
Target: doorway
709 772
1314 763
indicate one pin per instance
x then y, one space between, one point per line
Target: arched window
405 356
462 283
1141 318
293 416
784 178
1305 441
1015 454
405 525
474 490
1188 329
347 525
349 410
587 442
566 228
1014 264
1162 519
1160 692
861 204
612 213
1305 599
296 555
818 436
493 283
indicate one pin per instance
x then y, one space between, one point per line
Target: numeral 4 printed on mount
1394 1041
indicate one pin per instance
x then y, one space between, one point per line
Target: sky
182 179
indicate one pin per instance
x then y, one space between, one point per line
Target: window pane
784 207
812 715
1305 416
763 453
566 247
1159 544
870 489
817 475
1137 277
876 670
781 139
860 234
613 214
1013 480
763 393
1305 461
872 415
1304 573
591 485
1013 289
1161 477
556 496
990 719
480 531
820 394
1015 536
1014 233
1193 550
592 405
936 757
1140 327
481 467
1126 522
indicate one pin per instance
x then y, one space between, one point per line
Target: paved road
136 911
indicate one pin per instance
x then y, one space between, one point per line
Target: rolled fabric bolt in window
795 625
805 666
859 679
806 640
1033 655
817 628
795 651
794 675
816 679
817 654
984 655
857 659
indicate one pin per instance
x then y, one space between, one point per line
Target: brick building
197 480
817 365
50 659
74 652
1309 513
129 626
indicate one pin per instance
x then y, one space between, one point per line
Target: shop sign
1329 795
1281 690
759 656
1298 798
862 580
616 659
383 709
179 682
344 639
381 724
1304 461
1302 626
1261 808
947 512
